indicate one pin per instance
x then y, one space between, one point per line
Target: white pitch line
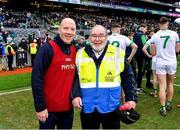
16 91
177 85
27 89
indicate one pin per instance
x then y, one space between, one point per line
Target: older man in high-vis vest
101 74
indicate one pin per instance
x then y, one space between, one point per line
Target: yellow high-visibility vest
12 50
33 48
109 72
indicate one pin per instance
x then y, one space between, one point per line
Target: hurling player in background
177 21
165 44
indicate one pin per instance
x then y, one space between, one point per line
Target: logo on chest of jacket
68 67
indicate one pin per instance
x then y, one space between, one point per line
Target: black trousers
95 119
140 73
10 61
59 120
148 70
32 58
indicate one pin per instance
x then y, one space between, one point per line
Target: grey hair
99 26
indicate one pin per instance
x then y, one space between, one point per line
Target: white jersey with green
165 42
119 41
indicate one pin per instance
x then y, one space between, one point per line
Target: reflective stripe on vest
33 48
12 50
109 72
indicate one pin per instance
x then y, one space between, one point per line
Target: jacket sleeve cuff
40 108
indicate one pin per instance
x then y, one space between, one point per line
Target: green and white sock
163 108
168 103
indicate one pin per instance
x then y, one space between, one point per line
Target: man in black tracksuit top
38 77
140 40
52 79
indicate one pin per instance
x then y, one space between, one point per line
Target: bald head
67 20
67 30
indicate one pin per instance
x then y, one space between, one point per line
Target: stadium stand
44 17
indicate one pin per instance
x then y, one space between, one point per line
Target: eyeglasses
98 36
